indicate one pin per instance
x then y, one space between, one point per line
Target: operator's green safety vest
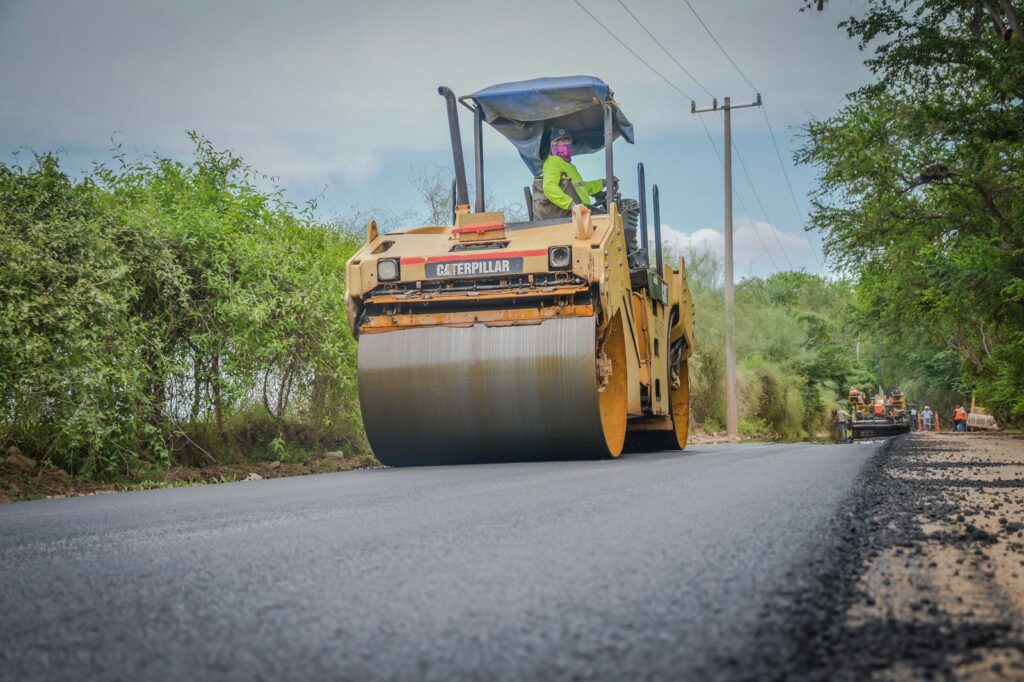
554 168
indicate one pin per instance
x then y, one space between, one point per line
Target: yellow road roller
550 338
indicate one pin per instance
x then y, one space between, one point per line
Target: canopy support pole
659 266
609 134
642 189
478 157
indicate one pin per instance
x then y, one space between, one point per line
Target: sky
338 99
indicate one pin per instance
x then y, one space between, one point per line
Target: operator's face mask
562 149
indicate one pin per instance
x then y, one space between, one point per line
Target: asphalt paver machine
878 417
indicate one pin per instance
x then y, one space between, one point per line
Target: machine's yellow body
489 279
489 340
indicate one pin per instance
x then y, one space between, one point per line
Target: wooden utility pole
731 400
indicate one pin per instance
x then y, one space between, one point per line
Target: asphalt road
649 567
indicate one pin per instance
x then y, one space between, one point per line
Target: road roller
492 341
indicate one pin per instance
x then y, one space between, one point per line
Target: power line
771 133
739 197
665 50
763 211
793 195
721 162
632 52
735 65
706 131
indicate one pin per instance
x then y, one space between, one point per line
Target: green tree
920 191
794 351
158 310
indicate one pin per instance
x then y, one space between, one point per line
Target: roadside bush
157 310
771 397
72 375
792 348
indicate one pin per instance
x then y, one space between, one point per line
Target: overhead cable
757 197
771 133
633 52
699 84
712 35
665 50
736 192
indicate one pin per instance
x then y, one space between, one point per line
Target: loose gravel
920 577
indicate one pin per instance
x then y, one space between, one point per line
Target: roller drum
448 395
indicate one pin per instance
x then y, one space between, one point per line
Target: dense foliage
158 310
796 350
921 194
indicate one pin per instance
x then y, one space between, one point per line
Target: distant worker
959 419
842 418
927 416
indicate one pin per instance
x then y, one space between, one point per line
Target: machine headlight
387 270
560 257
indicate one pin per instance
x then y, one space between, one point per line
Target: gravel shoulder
927 581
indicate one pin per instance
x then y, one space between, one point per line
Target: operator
560 187
561 184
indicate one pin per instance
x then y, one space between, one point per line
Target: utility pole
731 401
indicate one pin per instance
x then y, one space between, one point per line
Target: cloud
324 91
758 247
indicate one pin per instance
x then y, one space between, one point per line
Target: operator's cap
560 132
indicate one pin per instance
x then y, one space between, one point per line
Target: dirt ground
22 478
921 573
960 569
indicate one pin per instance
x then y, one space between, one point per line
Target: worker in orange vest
959 419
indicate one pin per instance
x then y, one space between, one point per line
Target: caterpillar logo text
470 268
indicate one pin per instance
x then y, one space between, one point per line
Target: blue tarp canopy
525 110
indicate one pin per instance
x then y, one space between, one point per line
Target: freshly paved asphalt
649 567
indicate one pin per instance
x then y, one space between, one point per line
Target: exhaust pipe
659 265
641 183
461 188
